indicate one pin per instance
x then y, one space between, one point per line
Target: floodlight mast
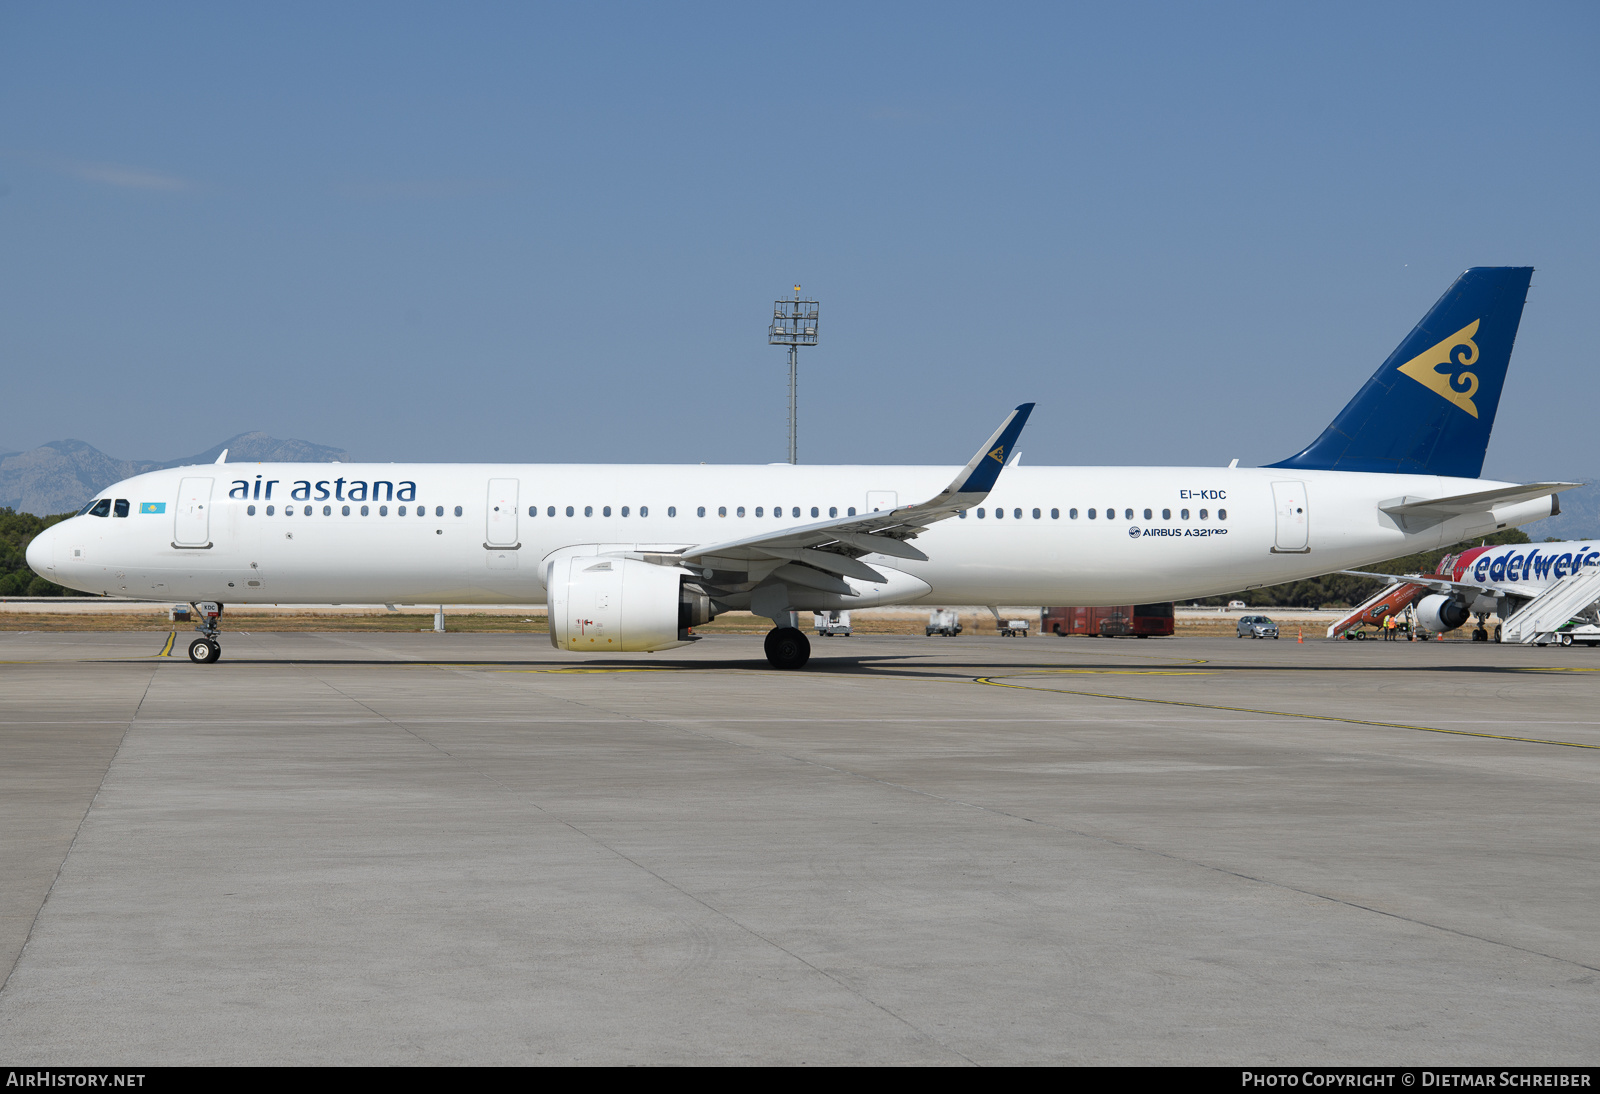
794 324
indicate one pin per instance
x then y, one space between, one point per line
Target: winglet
979 476
223 458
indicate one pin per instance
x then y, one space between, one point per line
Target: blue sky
553 233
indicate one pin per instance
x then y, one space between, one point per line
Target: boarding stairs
1537 621
1387 601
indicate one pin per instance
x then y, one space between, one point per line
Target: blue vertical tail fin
1429 408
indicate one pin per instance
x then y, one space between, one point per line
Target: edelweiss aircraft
630 558
1483 580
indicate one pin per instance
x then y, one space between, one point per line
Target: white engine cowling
1441 613
619 605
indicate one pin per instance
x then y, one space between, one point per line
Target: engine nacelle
620 605
1441 613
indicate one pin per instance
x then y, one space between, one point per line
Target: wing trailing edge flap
836 545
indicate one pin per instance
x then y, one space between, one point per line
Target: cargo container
1121 621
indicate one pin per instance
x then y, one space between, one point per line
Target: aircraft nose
41 554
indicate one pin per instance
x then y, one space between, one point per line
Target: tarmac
472 849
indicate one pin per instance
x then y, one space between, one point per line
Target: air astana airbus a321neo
630 558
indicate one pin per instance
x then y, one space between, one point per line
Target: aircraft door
1293 518
501 513
192 523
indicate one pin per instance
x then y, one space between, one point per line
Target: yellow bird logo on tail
1458 351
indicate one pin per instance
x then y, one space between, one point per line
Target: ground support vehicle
943 622
832 624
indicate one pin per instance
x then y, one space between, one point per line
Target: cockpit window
90 505
101 508
120 507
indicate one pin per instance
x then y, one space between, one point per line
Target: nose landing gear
206 650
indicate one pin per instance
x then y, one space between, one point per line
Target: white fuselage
321 533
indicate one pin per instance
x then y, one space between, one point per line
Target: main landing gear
206 650
787 647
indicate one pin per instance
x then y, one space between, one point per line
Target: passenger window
814 511
833 510
1127 514
644 511
438 510
1036 514
760 512
962 513
327 510
1017 513
1202 514
363 510
700 511
101 508
722 510
980 512
344 510
1183 514
458 510
1072 514
1166 514
588 510
1055 514
569 510
605 512
1091 514
1222 514
550 511
401 511
795 511
624 510
672 510
250 510
1147 514
533 510
999 514
306 512
269 510
383 510
1111 514
851 511
120 508
739 512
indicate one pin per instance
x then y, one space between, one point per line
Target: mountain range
61 476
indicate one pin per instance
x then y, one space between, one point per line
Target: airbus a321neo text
632 557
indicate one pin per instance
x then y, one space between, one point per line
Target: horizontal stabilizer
1480 502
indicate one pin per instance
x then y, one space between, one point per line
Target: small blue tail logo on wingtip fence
1456 384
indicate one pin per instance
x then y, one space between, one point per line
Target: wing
836 546
1445 585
